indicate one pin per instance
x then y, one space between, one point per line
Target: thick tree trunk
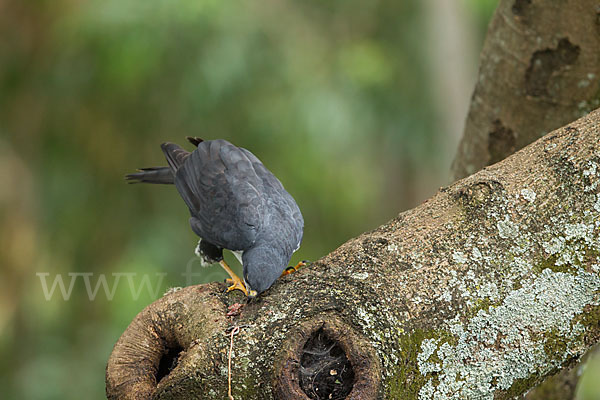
540 69
479 293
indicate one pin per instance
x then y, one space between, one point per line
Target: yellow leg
291 270
236 282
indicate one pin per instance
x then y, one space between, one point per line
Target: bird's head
262 266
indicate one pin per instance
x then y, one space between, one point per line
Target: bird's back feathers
224 194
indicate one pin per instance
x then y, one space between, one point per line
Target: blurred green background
356 106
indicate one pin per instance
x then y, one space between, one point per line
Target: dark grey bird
235 203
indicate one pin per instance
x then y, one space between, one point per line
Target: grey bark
481 292
539 69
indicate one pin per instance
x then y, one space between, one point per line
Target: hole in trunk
167 362
325 372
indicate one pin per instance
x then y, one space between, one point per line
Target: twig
229 329
233 333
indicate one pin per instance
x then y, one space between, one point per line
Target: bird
235 203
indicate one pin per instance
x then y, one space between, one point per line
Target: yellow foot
236 284
235 281
291 270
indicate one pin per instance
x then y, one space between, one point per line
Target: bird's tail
175 156
162 175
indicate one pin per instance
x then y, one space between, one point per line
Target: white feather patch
238 255
203 261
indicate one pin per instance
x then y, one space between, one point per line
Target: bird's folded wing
175 155
224 194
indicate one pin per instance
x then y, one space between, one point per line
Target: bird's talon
236 284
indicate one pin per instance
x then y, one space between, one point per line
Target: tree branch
480 292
